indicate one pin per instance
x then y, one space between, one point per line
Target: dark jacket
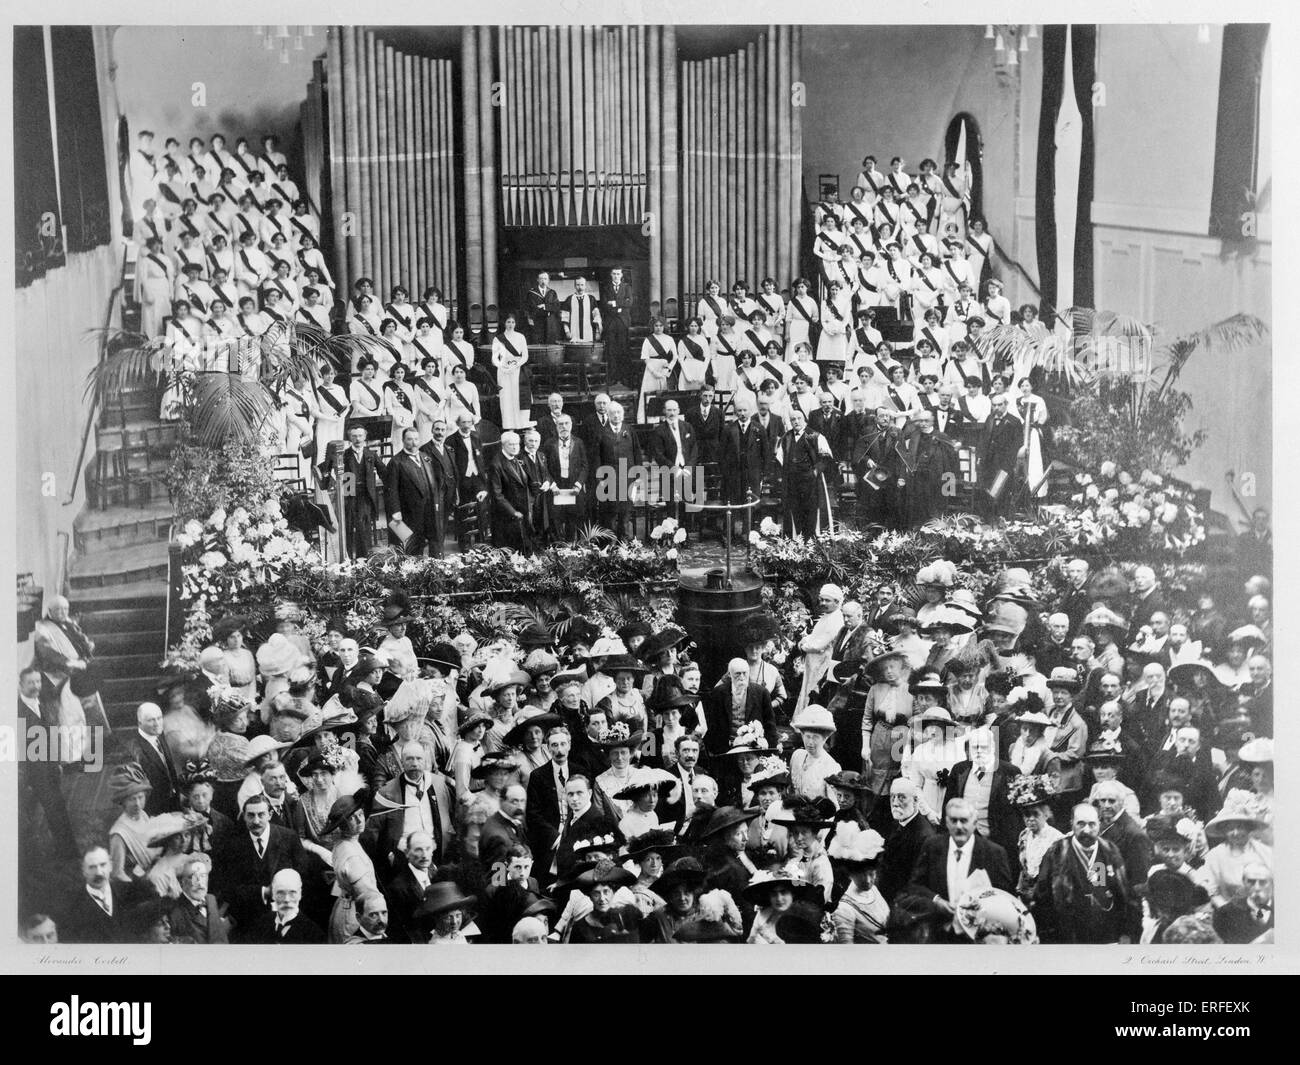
999 444
302 929
1069 908
663 450
578 465
1236 924
414 491
930 873
190 926
460 453
161 773
1005 822
708 432
717 713
1135 847
82 920
238 875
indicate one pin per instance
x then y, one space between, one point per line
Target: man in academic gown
542 308
566 459
998 452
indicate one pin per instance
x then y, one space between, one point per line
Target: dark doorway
974 156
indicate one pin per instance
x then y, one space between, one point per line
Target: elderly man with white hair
732 703
1083 893
63 655
529 931
285 923
818 645
903 842
617 451
155 758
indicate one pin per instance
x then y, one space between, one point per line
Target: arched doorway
973 145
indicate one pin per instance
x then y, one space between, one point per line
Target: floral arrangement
1155 513
229 554
750 734
1030 787
668 531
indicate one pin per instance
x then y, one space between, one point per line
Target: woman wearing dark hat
768 842
311 815
725 836
528 740
1031 752
128 840
967 695
197 781
396 646
862 912
354 872
541 666
651 851
607 922
228 751
806 822
659 652
943 625
444 912
633 635
928 763
854 803
467 753
668 703
884 721
680 888
772 895
620 745
1030 796
626 701
241 666
330 662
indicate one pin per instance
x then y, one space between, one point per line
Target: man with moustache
406 889
566 460
617 452
416 497
445 477
1082 894
471 475
372 921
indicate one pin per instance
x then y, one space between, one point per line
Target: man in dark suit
444 473
417 799
245 862
542 308
1120 828
773 429
415 496
512 491
1077 600
804 457
995 817
616 317
285 923
405 891
539 473
829 422
596 423
742 458
566 459
545 803
586 820
1245 919
906 830
878 466
155 758
732 698
1188 763
706 422
1082 894
618 453
471 473
42 779
361 491
933 468
97 910
998 450
505 828
197 916
946 861
546 421
673 445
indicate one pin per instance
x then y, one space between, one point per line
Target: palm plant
225 408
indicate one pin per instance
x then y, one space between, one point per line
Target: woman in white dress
710 310
366 393
930 328
462 397
928 763
801 314
509 354
660 358
828 245
426 344
430 398
925 286
694 356
182 357
387 353
836 321
726 355
772 305
749 378
399 403
457 352
1033 412
399 309
310 258
431 305
366 320
154 280
981 250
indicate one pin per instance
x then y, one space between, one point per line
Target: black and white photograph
575 481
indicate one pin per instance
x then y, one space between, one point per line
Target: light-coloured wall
52 358
249 91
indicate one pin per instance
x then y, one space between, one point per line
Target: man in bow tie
998 449
286 924
543 309
97 910
418 800
197 917
1246 919
512 490
245 862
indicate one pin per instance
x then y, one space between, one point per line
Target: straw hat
127 780
814 719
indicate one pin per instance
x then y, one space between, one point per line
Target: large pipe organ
430 167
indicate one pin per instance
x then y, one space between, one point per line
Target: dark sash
169 193
798 306
463 401
929 284
858 214
898 400
373 394
242 317
451 346
273 315
248 170
952 189
195 302
875 186
951 273
401 395
400 318
780 303
280 285
889 265
161 262
929 334
660 353
726 346
303 229
277 187
424 386
862 248
767 365
230 302
714 306
425 353
753 339
862 280
696 351
830 306
334 404
370 328
505 343
441 326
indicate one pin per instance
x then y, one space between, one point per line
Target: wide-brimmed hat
657 643
1028 790
442 896
659 841
633 629
937 715
620 735
1104 617
927 681
1228 816
760 885
605 647
807 815
885 656
492 762
846 671
854 846
725 817
223 627
1034 717
1247 634
963 600
686 871
605 872
473 718
278 655
344 807
314 762
394 614
623 663
515 737
889 623
670 696
601 843
1175 893
535 635
849 780
571 676
443 654
1102 752
541 662
941 572
260 745
771 772
1184 674
1162 828
127 780
641 779
1257 751
1064 677
949 617
502 673
750 739
814 718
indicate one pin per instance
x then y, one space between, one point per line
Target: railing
92 414
174 623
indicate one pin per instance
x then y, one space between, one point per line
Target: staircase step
157 432
116 641
129 691
119 617
127 666
120 565
120 526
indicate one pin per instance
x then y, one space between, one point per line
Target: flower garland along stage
246 560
